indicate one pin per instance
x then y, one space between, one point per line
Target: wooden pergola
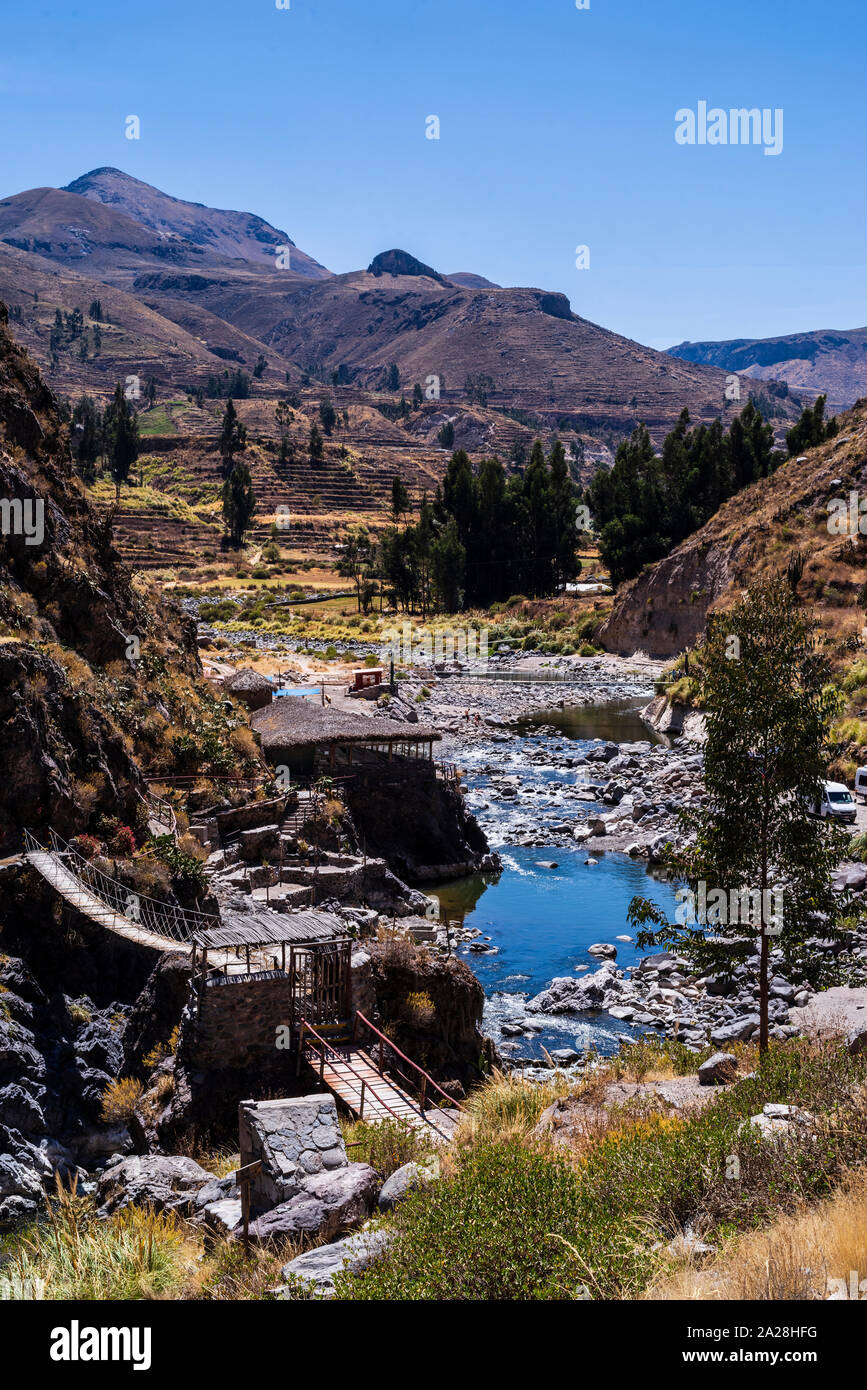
310 949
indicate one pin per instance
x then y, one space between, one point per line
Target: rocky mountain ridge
829 361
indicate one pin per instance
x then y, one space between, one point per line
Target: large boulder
738 1030
328 1205
166 1184
663 962
718 1069
781 1121
856 1040
412 1177
17 1179
19 1109
312 1274
566 995
850 876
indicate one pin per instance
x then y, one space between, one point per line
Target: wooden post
361 1110
244 1177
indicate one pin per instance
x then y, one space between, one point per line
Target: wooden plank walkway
383 1099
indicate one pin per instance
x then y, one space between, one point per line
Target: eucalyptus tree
758 867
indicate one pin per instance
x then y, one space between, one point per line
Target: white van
835 803
861 784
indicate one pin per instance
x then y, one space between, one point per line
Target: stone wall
362 994
253 814
295 1139
238 1022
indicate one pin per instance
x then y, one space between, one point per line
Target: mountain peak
398 262
227 234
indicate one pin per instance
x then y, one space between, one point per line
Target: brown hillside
229 235
540 357
664 610
532 354
830 361
175 342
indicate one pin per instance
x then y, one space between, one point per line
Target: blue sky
556 130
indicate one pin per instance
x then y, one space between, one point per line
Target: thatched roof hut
300 733
251 687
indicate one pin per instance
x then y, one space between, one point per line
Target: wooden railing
325 1046
383 1043
447 772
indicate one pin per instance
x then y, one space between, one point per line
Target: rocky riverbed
533 787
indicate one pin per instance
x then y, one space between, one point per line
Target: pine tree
399 500
121 438
283 415
811 429
85 437
447 560
233 437
564 563
316 446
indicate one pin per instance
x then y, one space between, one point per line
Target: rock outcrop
421 826
433 1009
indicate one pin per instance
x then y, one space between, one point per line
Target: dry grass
794 1258
136 1254
119 1100
507 1108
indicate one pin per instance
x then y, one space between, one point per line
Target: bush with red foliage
123 842
86 845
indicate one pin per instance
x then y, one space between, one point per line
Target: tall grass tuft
507 1107
136 1254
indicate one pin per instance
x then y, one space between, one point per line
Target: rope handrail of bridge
427 1079
154 914
344 1062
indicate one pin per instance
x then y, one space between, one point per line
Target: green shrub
386 1145
487 1232
520 1222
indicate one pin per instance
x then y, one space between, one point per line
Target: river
541 920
